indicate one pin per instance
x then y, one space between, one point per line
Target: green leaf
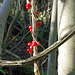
2 71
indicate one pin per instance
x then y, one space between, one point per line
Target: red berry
39 23
30 27
37 13
28 0
29 44
28 6
28 49
31 47
38 43
31 30
34 44
32 41
30 52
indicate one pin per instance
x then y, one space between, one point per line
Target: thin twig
18 34
20 40
37 42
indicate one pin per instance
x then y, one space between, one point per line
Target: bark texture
66 20
51 69
4 12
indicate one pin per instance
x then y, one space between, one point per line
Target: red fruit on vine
38 43
30 27
30 52
31 30
39 23
31 47
32 41
28 0
28 49
34 44
37 13
28 6
29 44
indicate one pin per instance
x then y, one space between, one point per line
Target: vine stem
42 54
35 33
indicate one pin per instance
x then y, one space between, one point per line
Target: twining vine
42 54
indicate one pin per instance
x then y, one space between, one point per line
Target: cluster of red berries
37 13
32 44
38 24
28 6
28 0
30 27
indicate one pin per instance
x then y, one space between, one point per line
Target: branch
42 54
